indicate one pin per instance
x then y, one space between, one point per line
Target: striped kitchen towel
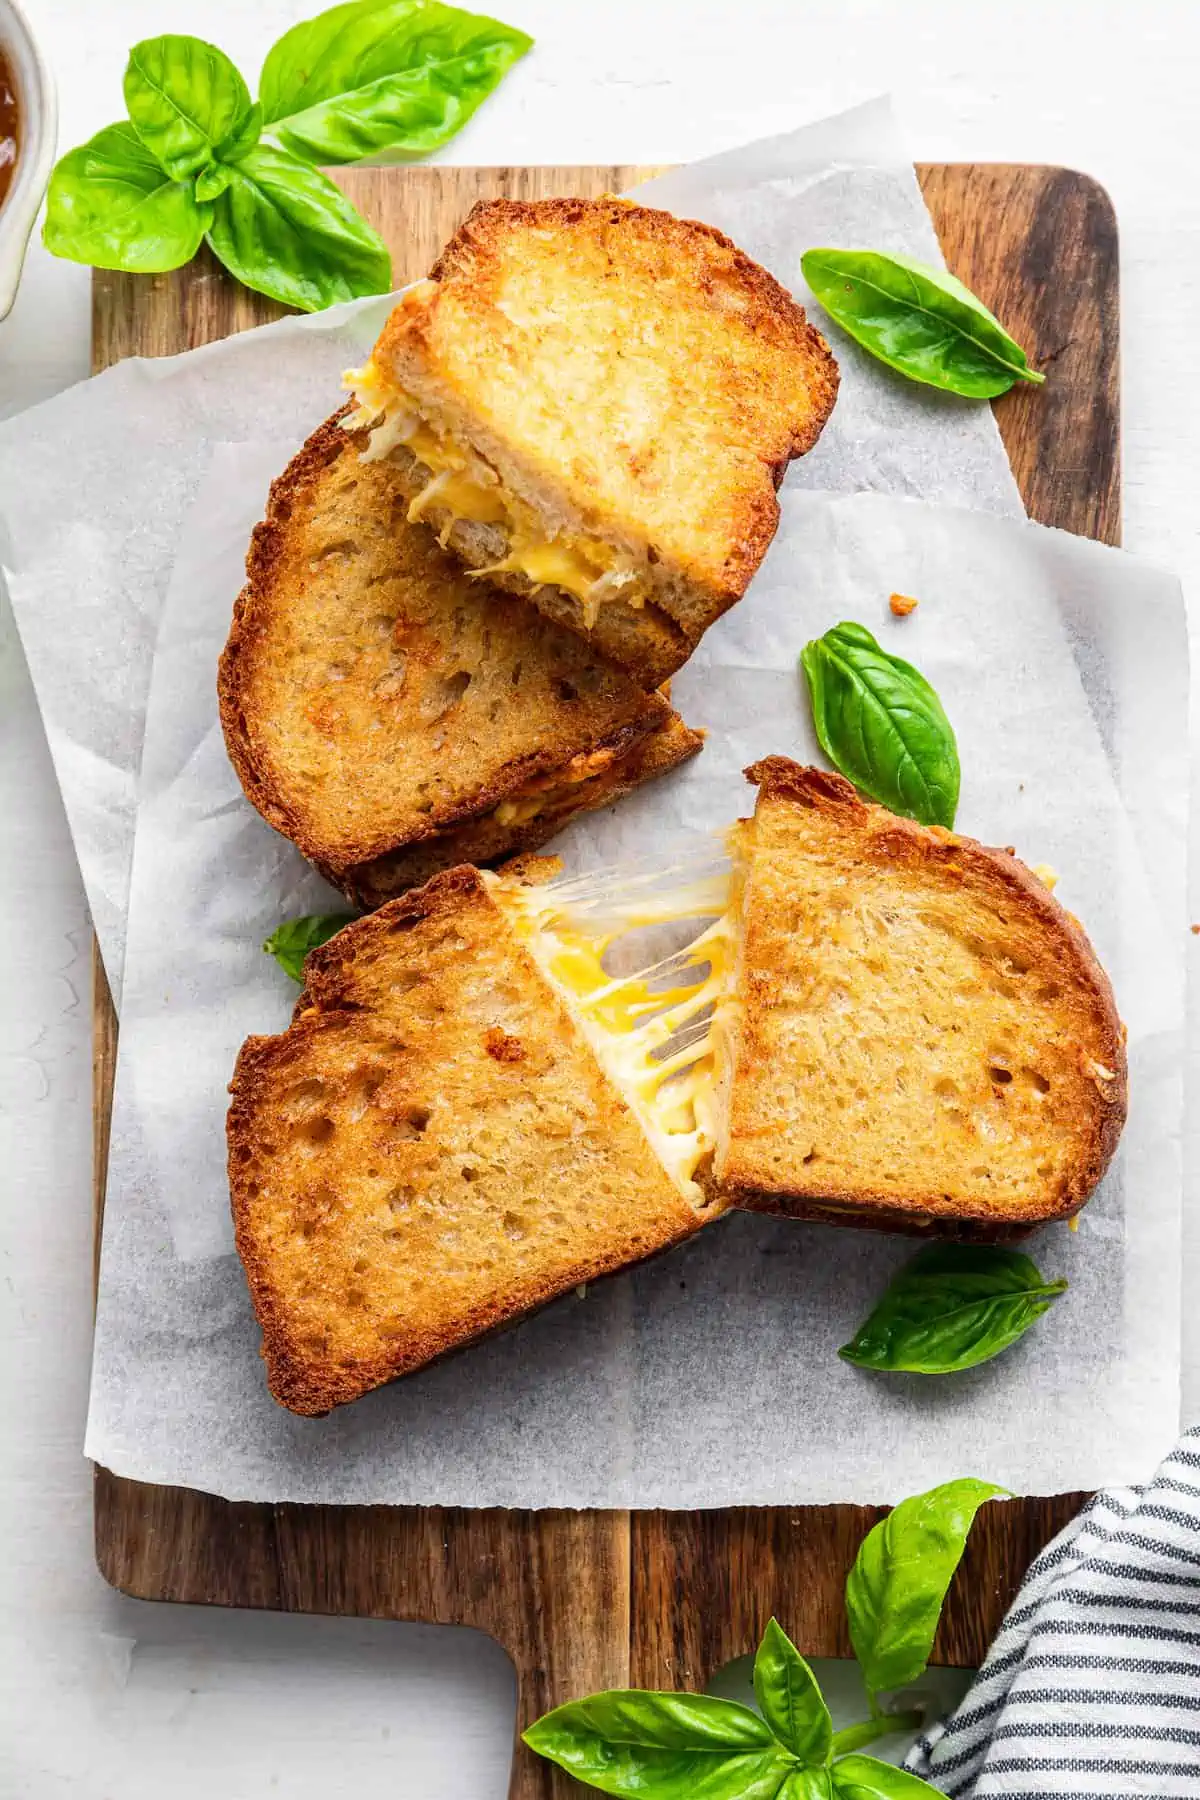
1092 1688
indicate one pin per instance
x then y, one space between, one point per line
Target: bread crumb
1073 1224
1046 874
1196 930
903 604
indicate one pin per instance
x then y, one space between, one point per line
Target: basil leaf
787 1692
952 1307
807 1784
291 942
918 320
895 1590
184 96
109 204
243 137
879 721
866 1778
286 230
669 1746
212 181
380 75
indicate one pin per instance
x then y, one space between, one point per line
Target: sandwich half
393 717
917 1036
594 403
901 1028
434 1147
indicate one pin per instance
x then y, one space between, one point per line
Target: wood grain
600 1599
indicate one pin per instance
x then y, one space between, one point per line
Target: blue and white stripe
1092 1688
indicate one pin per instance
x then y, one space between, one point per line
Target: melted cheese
542 791
651 1032
464 487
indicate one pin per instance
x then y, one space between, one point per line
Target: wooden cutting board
652 1599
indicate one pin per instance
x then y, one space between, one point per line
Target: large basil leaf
285 229
918 320
879 721
786 1690
665 1746
184 97
951 1307
110 205
895 1590
866 1778
374 75
291 942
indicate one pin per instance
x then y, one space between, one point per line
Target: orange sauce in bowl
9 127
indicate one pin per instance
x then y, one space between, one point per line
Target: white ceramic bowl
35 152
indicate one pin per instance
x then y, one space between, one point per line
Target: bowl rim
38 104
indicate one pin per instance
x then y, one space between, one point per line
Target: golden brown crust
673 379
353 740
1025 965
429 1152
487 841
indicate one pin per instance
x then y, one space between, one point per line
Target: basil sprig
895 1591
658 1746
291 942
190 164
952 1307
879 721
918 320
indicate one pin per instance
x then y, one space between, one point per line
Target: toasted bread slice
525 820
430 1150
917 1036
595 403
376 702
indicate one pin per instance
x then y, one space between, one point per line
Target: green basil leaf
879 721
184 96
865 1778
375 75
669 1746
918 320
243 137
110 205
895 1590
787 1692
285 229
952 1307
291 942
212 181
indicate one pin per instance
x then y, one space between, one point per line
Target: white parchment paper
710 1376
95 483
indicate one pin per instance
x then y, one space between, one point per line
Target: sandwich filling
541 793
654 1031
463 487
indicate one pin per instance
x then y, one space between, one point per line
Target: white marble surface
101 1697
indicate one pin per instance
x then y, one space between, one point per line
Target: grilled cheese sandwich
593 404
393 716
492 1091
434 1147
